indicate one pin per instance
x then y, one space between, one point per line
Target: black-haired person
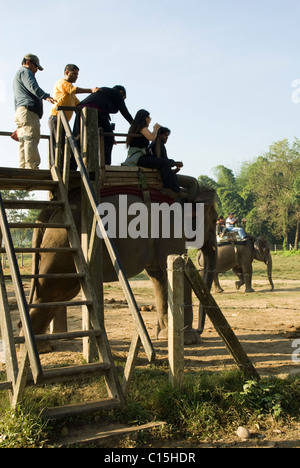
65 95
138 140
158 149
107 101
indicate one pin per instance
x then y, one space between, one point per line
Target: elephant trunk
269 263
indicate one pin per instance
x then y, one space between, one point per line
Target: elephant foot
237 285
191 337
218 290
249 290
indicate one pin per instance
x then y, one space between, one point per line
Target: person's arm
86 90
150 135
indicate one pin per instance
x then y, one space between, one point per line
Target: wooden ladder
28 369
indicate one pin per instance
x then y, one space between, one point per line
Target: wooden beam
218 320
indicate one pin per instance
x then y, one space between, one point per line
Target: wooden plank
131 361
218 320
38 225
101 434
32 204
27 184
176 319
61 336
40 305
80 408
41 249
20 295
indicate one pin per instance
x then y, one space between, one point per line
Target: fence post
176 320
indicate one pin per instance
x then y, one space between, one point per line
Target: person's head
231 215
32 62
163 133
121 90
71 72
141 120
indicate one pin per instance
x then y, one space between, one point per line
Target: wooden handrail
112 251
31 347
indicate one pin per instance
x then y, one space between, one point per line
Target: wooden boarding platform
112 176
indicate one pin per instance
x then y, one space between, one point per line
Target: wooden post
218 320
102 156
176 319
59 142
89 151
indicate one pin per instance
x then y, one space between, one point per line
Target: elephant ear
260 245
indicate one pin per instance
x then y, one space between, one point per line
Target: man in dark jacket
107 101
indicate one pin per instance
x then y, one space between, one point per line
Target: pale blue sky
218 73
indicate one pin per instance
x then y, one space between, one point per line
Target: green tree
20 236
271 181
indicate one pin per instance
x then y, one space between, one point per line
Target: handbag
14 135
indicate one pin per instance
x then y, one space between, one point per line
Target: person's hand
50 99
156 127
95 90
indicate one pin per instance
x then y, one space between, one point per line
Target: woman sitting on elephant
138 150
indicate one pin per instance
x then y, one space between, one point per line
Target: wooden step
65 374
48 275
38 225
42 249
80 408
32 204
42 305
71 335
27 184
7 385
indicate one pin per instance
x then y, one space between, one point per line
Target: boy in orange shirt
65 95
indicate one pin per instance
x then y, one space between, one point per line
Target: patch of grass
22 428
209 404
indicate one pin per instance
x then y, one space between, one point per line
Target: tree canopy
265 191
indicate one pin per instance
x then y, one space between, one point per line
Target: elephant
136 254
239 257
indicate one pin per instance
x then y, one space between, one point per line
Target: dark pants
52 122
168 177
104 123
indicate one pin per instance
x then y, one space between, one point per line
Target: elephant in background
239 258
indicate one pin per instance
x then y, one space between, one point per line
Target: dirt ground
267 324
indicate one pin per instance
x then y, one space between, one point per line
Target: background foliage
265 191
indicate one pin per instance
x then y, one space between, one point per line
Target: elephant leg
247 273
191 336
159 280
240 275
160 283
216 283
248 282
206 260
40 321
